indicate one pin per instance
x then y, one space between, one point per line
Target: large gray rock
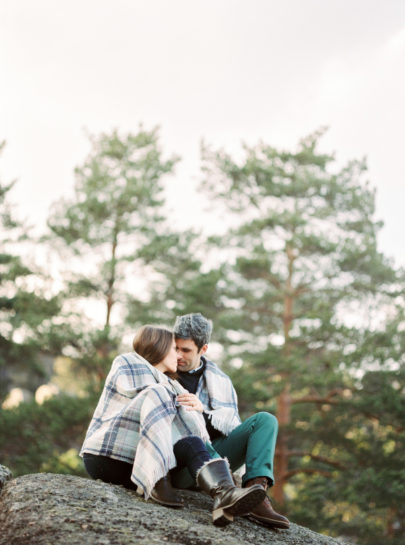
42 509
5 475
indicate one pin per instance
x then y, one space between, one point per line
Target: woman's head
156 344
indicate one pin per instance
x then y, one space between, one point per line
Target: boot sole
270 523
221 517
246 503
224 516
167 504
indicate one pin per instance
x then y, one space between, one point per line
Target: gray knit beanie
195 327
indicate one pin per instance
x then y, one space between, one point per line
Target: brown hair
153 343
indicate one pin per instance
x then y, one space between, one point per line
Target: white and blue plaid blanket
137 420
219 399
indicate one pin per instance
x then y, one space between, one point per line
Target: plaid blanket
138 420
219 399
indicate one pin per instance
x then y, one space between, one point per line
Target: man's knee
266 419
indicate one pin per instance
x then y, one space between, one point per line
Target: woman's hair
153 343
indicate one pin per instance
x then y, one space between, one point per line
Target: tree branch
318 399
322 459
310 470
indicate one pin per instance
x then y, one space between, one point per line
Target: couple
169 416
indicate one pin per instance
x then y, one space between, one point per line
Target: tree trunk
111 280
281 456
284 399
105 348
393 522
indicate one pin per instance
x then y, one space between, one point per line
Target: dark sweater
189 380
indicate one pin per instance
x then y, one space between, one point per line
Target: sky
225 71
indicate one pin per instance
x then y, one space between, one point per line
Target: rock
5 475
42 509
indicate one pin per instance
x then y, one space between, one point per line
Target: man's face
188 355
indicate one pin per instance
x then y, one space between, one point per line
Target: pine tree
182 283
112 220
305 284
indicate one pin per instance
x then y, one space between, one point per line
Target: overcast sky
223 70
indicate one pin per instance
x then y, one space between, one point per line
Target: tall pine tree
108 225
306 284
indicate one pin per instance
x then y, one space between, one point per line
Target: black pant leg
109 470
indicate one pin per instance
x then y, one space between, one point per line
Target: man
211 392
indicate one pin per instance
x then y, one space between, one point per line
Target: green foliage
114 215
68 462
309 312
362 497
26 309
93 359
309 326
181 283
40 437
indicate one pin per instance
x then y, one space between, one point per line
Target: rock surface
50 509
5 475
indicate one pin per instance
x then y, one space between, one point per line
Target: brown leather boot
215 478
165 494
264 512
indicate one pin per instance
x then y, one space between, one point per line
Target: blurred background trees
26 305
106 230
308 316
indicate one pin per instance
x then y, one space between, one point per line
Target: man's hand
191 402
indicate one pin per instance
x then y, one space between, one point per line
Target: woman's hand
191 402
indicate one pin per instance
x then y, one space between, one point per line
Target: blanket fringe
225 423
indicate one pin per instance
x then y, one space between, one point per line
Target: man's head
192 334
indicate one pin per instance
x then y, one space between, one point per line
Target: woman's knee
190 444
191 452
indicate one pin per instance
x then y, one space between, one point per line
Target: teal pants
252 443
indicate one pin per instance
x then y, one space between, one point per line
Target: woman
140 431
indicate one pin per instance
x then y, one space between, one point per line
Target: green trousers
252 443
